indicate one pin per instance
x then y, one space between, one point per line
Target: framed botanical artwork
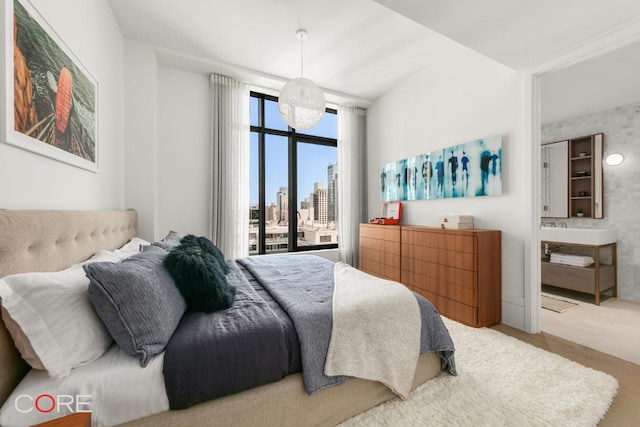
49 98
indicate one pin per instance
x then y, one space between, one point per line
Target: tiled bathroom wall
621 129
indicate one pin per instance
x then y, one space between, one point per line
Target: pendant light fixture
301 101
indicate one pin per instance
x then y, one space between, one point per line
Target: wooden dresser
459 271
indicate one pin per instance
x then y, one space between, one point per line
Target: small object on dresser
454 222
457 218
582 173
391 214
454 225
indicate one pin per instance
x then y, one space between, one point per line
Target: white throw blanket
376 330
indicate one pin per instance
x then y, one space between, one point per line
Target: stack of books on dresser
454 222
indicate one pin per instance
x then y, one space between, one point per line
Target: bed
53 240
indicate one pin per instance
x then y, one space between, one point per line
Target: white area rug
501 382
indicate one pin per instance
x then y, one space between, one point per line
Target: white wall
140 130
591 86
461 97
168 145
30 181
184 152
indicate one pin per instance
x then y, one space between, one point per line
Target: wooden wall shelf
585 176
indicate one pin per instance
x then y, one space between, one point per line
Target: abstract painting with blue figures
467 170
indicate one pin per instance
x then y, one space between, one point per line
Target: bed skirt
286 403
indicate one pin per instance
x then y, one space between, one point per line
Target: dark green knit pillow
199 275
207 245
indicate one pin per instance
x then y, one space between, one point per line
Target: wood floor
625 410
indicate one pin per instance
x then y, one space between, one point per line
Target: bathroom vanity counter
595 279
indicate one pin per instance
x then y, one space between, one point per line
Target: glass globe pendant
301 102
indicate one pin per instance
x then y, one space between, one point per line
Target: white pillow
131 248
51 319
115 387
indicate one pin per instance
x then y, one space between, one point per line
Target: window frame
293 138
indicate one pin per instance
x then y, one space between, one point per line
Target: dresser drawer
461 260
439 239
452 309
380 232
465 294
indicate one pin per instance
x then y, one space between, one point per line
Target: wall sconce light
614 159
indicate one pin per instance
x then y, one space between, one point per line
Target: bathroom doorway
599 95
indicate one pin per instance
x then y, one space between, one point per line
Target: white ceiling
519 33
360 48
598 84
355 47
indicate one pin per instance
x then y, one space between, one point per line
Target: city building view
293 177
317 216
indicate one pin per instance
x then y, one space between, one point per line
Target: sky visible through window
312 159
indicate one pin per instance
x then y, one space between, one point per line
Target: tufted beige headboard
41 240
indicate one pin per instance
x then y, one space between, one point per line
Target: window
294 177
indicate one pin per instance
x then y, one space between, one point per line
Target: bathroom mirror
571 178
554 159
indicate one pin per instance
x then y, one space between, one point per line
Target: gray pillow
170 241
137 301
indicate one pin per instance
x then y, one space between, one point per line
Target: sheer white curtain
352 138
230 166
